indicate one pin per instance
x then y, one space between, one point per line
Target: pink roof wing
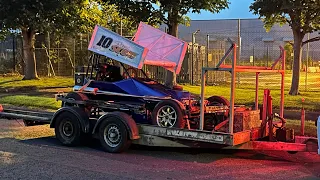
164 50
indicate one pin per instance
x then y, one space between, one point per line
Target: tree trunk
30 71
297 48
171 78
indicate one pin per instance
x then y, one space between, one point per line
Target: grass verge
45 82
310 128
246 96
31 101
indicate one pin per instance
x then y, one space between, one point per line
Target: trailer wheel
220 100
113 136
168 114
67 129
77 97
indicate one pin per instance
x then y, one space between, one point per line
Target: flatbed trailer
150 135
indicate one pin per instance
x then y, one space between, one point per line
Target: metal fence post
14 52
192 49
207 55
307 64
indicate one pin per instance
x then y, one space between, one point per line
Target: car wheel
68 129
168 114
219 100
113 136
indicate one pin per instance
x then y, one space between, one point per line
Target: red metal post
265 105
257 92
303 117
202 107
269 116
282 81
233 85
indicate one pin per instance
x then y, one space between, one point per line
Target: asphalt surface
28 153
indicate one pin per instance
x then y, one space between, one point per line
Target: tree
303 16
31 17
170 12
54 16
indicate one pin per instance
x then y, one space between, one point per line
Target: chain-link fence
60 56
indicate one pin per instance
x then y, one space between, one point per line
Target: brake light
1 108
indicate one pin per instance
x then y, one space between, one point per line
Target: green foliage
147 11
301 14
289 58
59 16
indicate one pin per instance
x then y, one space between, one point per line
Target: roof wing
163 49
112 45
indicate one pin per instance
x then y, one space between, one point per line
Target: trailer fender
124 118
82 116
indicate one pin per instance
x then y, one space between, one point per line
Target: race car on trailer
116 101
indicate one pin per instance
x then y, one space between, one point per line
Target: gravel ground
33 153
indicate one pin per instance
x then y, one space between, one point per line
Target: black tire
77 97
68 129
180 122
120 131
220 100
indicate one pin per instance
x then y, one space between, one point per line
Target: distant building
254 38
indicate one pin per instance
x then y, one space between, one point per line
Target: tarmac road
38 156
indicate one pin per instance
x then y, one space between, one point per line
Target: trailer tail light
1 108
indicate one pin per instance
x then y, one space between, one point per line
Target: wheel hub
67 129
112 135
166 116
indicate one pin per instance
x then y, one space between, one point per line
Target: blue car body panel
135 87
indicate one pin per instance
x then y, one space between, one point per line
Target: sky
237 9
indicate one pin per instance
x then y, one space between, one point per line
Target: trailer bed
172 137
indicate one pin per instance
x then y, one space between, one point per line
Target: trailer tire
175 109
68 129
77 97
113 135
